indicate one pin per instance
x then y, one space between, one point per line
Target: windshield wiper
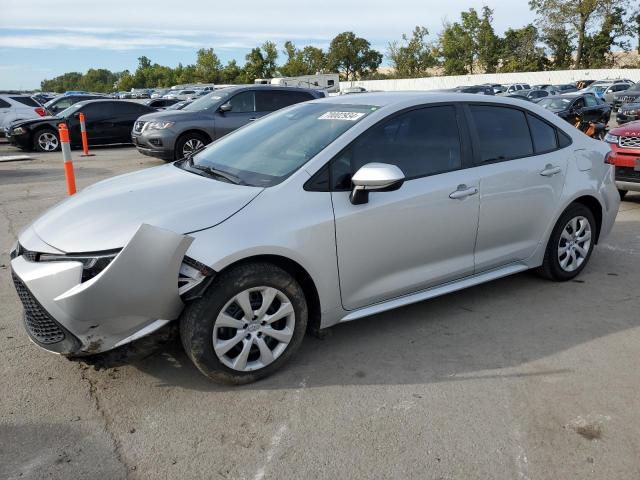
229 177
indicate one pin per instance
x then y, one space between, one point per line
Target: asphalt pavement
520 378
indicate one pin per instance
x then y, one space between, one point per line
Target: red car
625 146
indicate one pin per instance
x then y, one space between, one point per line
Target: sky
41 39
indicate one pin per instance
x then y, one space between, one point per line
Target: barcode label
348 116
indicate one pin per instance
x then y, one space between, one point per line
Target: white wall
555 77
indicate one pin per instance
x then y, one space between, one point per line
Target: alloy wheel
48 141
574 244
253 328
191 146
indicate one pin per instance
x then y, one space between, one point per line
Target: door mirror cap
375 177
225 107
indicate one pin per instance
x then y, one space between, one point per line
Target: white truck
328 82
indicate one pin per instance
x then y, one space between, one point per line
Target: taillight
41 111
608 159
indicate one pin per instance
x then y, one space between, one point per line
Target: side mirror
226 107
381 177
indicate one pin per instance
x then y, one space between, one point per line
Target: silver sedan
324 212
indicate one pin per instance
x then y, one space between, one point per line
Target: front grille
138 126
39 323
627 173
630 142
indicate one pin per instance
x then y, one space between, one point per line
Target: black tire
623 193
198 318
179 151
551 267
37 144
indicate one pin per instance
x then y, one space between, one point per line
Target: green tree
414 56
487 42
520 51
306 61
208 66
455 47
352 56
261 62
559 43
232 73
597 47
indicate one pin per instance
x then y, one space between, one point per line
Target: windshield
266 152
596 88
67 112
206 102
555 103
634 88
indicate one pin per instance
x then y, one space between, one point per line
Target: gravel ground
520 378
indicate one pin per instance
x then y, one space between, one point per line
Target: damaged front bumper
137 292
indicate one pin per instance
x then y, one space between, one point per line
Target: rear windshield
30 102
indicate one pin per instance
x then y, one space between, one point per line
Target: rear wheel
623 193
249 322
46 140
570 244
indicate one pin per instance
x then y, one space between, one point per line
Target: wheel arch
42 128
301 275
593 204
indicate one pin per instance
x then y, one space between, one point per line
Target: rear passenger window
28 101
543 135
502 133
270 101
420 142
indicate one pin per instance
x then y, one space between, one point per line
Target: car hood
105 215
631 129
172 116
33 121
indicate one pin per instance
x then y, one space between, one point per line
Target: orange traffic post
83 133
66 156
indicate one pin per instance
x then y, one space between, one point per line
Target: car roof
107 100
382 99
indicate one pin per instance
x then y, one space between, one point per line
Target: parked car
628 112
631 95
535 94
478 89
572 107
180 94
107 121
159 92
496 87
62 102
172 135
518 97
565 88
161 103
515 87
612 81
606 91
580 84
625 147
320 213
18 107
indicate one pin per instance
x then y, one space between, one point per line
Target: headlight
92 265
18 131
611 138
159 125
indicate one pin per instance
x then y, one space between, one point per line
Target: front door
418 236
521 170
243 111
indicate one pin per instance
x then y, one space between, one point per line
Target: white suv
17 107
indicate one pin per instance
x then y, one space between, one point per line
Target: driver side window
420 142
243 102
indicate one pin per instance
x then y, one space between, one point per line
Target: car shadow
482 332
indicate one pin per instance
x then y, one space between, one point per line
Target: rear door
521 170
406 240
243 110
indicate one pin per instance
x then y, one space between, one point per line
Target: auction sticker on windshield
348 116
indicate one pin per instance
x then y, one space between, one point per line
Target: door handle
550 170
463 192
253 119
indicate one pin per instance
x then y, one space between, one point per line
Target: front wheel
188 144
570 244
249 322
46 141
